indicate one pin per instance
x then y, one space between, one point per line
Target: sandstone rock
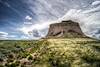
65 29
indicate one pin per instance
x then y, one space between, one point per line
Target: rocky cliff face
65 29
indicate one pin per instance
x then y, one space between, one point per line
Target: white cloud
93 9
73 14
28 18
39 27
24 37
28 23
95 3
50 9
97 9
3 35
11 36
88 22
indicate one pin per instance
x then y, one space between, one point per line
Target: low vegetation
66 52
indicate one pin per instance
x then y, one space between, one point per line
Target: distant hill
65 29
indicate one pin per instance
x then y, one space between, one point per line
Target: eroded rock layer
65 29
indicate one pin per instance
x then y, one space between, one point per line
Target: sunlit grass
66 52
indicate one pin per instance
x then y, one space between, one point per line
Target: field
66 52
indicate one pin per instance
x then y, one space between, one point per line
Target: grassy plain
66 52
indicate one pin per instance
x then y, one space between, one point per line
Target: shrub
30 57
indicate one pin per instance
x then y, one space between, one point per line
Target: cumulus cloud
28 18
40 28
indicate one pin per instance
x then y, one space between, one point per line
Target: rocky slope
65 29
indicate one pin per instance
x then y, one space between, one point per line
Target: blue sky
30 19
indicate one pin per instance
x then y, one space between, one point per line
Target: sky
30 19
